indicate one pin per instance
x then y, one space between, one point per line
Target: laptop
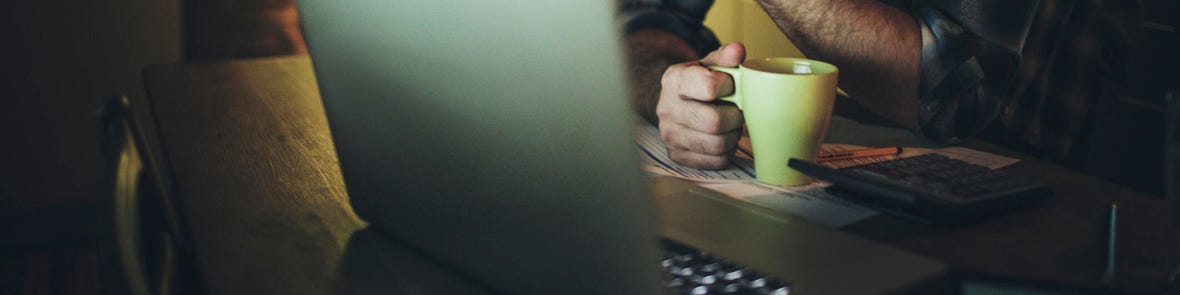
495 137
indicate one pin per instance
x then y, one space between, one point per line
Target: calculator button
780 291
704 279
674 283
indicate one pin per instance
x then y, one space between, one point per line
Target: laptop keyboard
688 271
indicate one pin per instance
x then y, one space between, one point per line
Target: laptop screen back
493 135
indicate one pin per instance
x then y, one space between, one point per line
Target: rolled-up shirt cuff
954 100
686 25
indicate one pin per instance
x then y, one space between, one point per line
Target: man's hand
698 129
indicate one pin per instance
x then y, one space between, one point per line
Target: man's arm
666 47
876 46
649 52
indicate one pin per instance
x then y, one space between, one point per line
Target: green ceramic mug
787 103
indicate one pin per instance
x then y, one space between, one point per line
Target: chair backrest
147 251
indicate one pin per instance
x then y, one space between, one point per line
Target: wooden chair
146 250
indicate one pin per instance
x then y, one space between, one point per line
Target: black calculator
930 187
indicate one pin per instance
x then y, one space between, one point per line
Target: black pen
1108 275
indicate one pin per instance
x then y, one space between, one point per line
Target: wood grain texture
256 173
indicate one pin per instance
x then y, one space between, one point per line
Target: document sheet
810 201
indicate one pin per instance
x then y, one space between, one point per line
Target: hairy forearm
649 53
877 48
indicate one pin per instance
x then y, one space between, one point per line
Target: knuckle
663 110
668 78
672 75
667 136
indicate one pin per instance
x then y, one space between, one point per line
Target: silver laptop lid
491 134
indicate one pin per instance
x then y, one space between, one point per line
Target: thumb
729 55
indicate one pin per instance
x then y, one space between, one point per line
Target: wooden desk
256 172
1059 243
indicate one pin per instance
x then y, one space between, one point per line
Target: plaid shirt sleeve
970 53
1033 74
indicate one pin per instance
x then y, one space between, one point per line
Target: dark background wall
58 59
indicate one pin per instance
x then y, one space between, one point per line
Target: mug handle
735 73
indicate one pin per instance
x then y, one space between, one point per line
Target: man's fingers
694 81
732 119
697 130
699 161
729 55
707 118
679 139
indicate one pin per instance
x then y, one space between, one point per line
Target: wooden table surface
1059 243
256 172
